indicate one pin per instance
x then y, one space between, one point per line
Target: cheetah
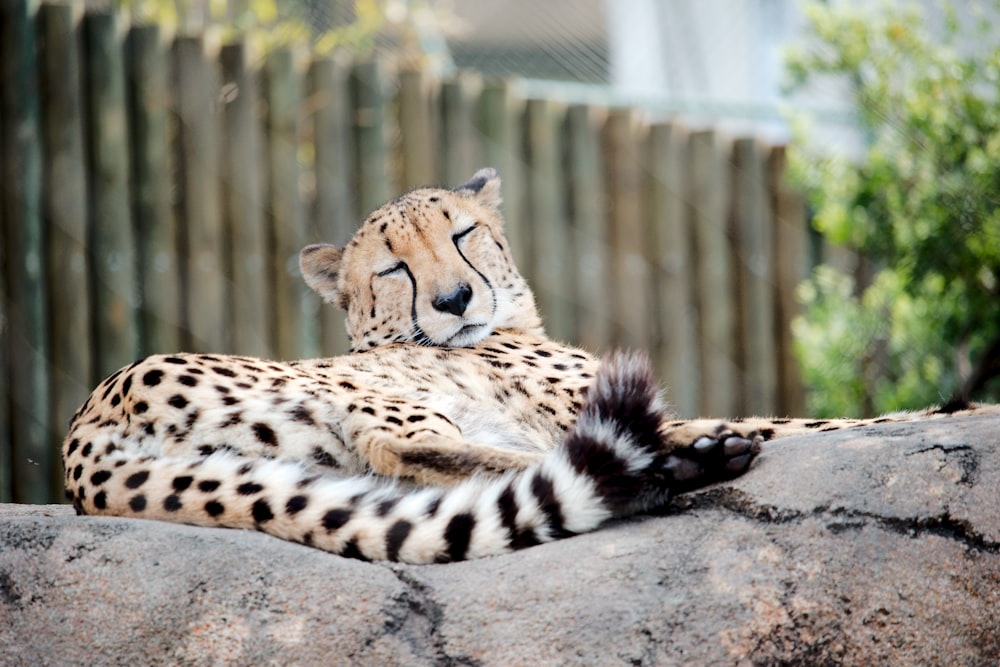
454 429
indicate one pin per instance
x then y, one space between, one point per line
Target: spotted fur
455 429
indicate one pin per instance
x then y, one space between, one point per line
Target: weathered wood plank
243 205
65 218
112 236
550 272
29 459
753 236
334 217
369 98
417 130
297 334
708 195
676 352
630 275
587 213
6 370
208 310
149 90
458 141
498 121
791 264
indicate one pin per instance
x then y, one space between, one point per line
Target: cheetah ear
484 186
320 265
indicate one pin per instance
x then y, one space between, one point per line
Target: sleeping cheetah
455 429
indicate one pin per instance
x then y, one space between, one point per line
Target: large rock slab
878 545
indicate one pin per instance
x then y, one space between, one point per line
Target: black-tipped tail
616 441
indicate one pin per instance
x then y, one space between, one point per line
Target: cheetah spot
265 434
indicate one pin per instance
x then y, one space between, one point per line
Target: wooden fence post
550 273
588 210
295 311
791 268
112 236
371 142
243 183
149 88
208 310
65 215
458 141
28 456
498 121
753 240
708 196
334 216
677 347
630 275
417 130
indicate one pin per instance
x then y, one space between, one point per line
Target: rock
878 545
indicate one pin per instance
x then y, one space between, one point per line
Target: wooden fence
156 190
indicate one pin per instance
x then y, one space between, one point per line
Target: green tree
409 30
922 205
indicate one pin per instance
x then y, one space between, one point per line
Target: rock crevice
839 519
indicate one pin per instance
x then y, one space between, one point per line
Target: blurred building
711 62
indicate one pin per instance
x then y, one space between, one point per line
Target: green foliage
268 23
399 25
923 204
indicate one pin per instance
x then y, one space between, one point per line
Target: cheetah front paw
718 455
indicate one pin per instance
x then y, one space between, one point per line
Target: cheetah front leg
425 447
772 428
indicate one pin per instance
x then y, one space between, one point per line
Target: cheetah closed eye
455 428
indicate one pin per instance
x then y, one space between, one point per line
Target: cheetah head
431 267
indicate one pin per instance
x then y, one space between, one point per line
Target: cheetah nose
456 302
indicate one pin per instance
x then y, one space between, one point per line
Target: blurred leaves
922 203
403 28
